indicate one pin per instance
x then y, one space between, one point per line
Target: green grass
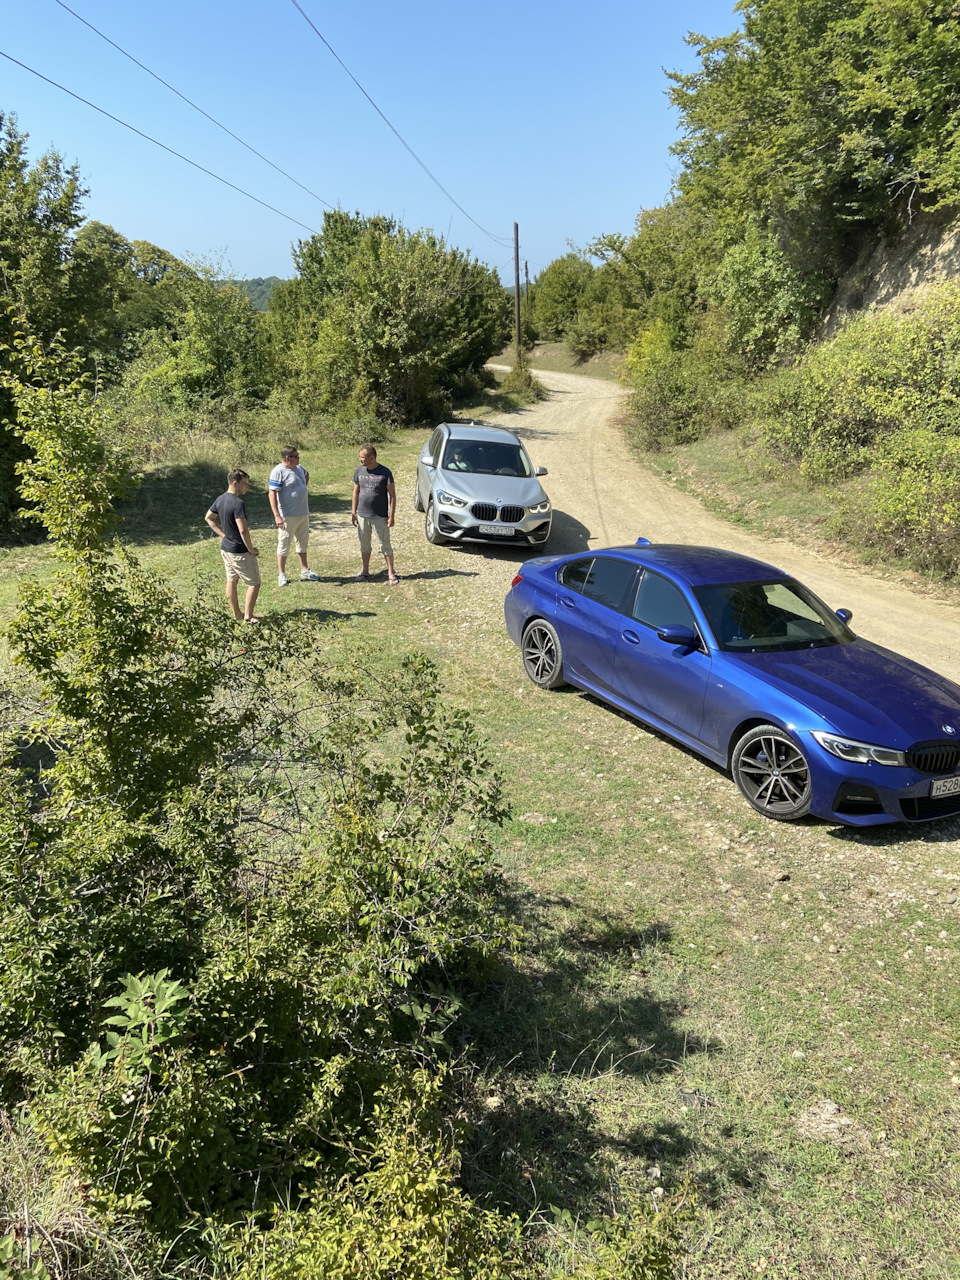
554 357
692 978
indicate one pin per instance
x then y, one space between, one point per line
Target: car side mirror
844 615
540 471
673 633
427 460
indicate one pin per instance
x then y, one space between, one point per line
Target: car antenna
643 542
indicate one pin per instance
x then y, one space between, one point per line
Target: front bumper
459 524
869 795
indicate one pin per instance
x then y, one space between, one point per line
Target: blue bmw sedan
746 666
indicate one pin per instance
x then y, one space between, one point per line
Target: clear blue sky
551 115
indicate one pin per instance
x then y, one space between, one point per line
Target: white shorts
295 529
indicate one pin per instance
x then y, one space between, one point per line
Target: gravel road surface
603 497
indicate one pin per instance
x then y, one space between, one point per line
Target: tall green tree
386 318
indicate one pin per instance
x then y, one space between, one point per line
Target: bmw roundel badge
948 728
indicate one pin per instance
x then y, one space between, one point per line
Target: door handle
631 637
567 602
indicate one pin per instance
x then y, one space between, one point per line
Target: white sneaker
282 580
307 575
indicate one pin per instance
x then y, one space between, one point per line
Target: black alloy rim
774 774
539 654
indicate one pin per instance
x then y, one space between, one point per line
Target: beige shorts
366 525
297 529
246 567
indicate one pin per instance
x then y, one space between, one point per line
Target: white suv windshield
485 458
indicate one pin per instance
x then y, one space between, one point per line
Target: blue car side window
574 575
660 603
610 582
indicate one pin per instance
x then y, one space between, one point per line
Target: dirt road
603 497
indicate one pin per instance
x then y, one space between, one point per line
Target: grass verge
770 1011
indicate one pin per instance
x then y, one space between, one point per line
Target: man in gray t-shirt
291 511
373 510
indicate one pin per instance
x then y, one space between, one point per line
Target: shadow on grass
171 502
557 1036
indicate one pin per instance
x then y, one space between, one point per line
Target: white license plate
498 529
945 787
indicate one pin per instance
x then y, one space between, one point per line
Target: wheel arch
750 722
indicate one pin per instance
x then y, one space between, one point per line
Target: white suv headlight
450 499
858 752
541 508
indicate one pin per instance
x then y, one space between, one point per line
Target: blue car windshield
755 617
485 458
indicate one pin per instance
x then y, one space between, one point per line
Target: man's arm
211 519
392 499
275 507
356 499
244 529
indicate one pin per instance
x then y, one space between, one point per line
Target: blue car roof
699 566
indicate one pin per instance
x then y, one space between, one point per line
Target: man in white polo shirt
291 510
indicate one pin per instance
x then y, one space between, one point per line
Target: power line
183 97
163 146
436 181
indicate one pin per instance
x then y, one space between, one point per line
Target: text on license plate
945 787
497 529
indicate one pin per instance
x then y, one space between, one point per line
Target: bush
770 307
682 393
884 373
522 384
911 508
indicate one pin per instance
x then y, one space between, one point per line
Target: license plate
498 529
945 787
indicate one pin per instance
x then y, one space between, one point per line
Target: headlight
858 752
450 499
541 508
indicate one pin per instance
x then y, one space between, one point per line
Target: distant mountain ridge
259 289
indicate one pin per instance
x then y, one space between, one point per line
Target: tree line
812 134
380 325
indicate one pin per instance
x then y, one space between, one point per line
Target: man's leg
365 533
232 600
251 600
283 550
383 535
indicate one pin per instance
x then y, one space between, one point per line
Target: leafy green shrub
912 505
682 393
522 384
585 336
882 374
770 307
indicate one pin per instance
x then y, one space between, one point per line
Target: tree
558 293
386 318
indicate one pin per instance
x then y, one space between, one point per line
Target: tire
542 654
430 527
417 501
772 773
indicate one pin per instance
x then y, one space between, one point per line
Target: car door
425 474
664 681
591 598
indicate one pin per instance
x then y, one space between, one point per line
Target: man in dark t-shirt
227 517
374 508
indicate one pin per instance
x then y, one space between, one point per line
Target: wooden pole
516 289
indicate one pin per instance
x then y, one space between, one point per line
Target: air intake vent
934 757
511 515
484 511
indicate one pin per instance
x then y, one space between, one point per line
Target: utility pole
516 288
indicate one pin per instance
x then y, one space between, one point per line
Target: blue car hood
862 690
